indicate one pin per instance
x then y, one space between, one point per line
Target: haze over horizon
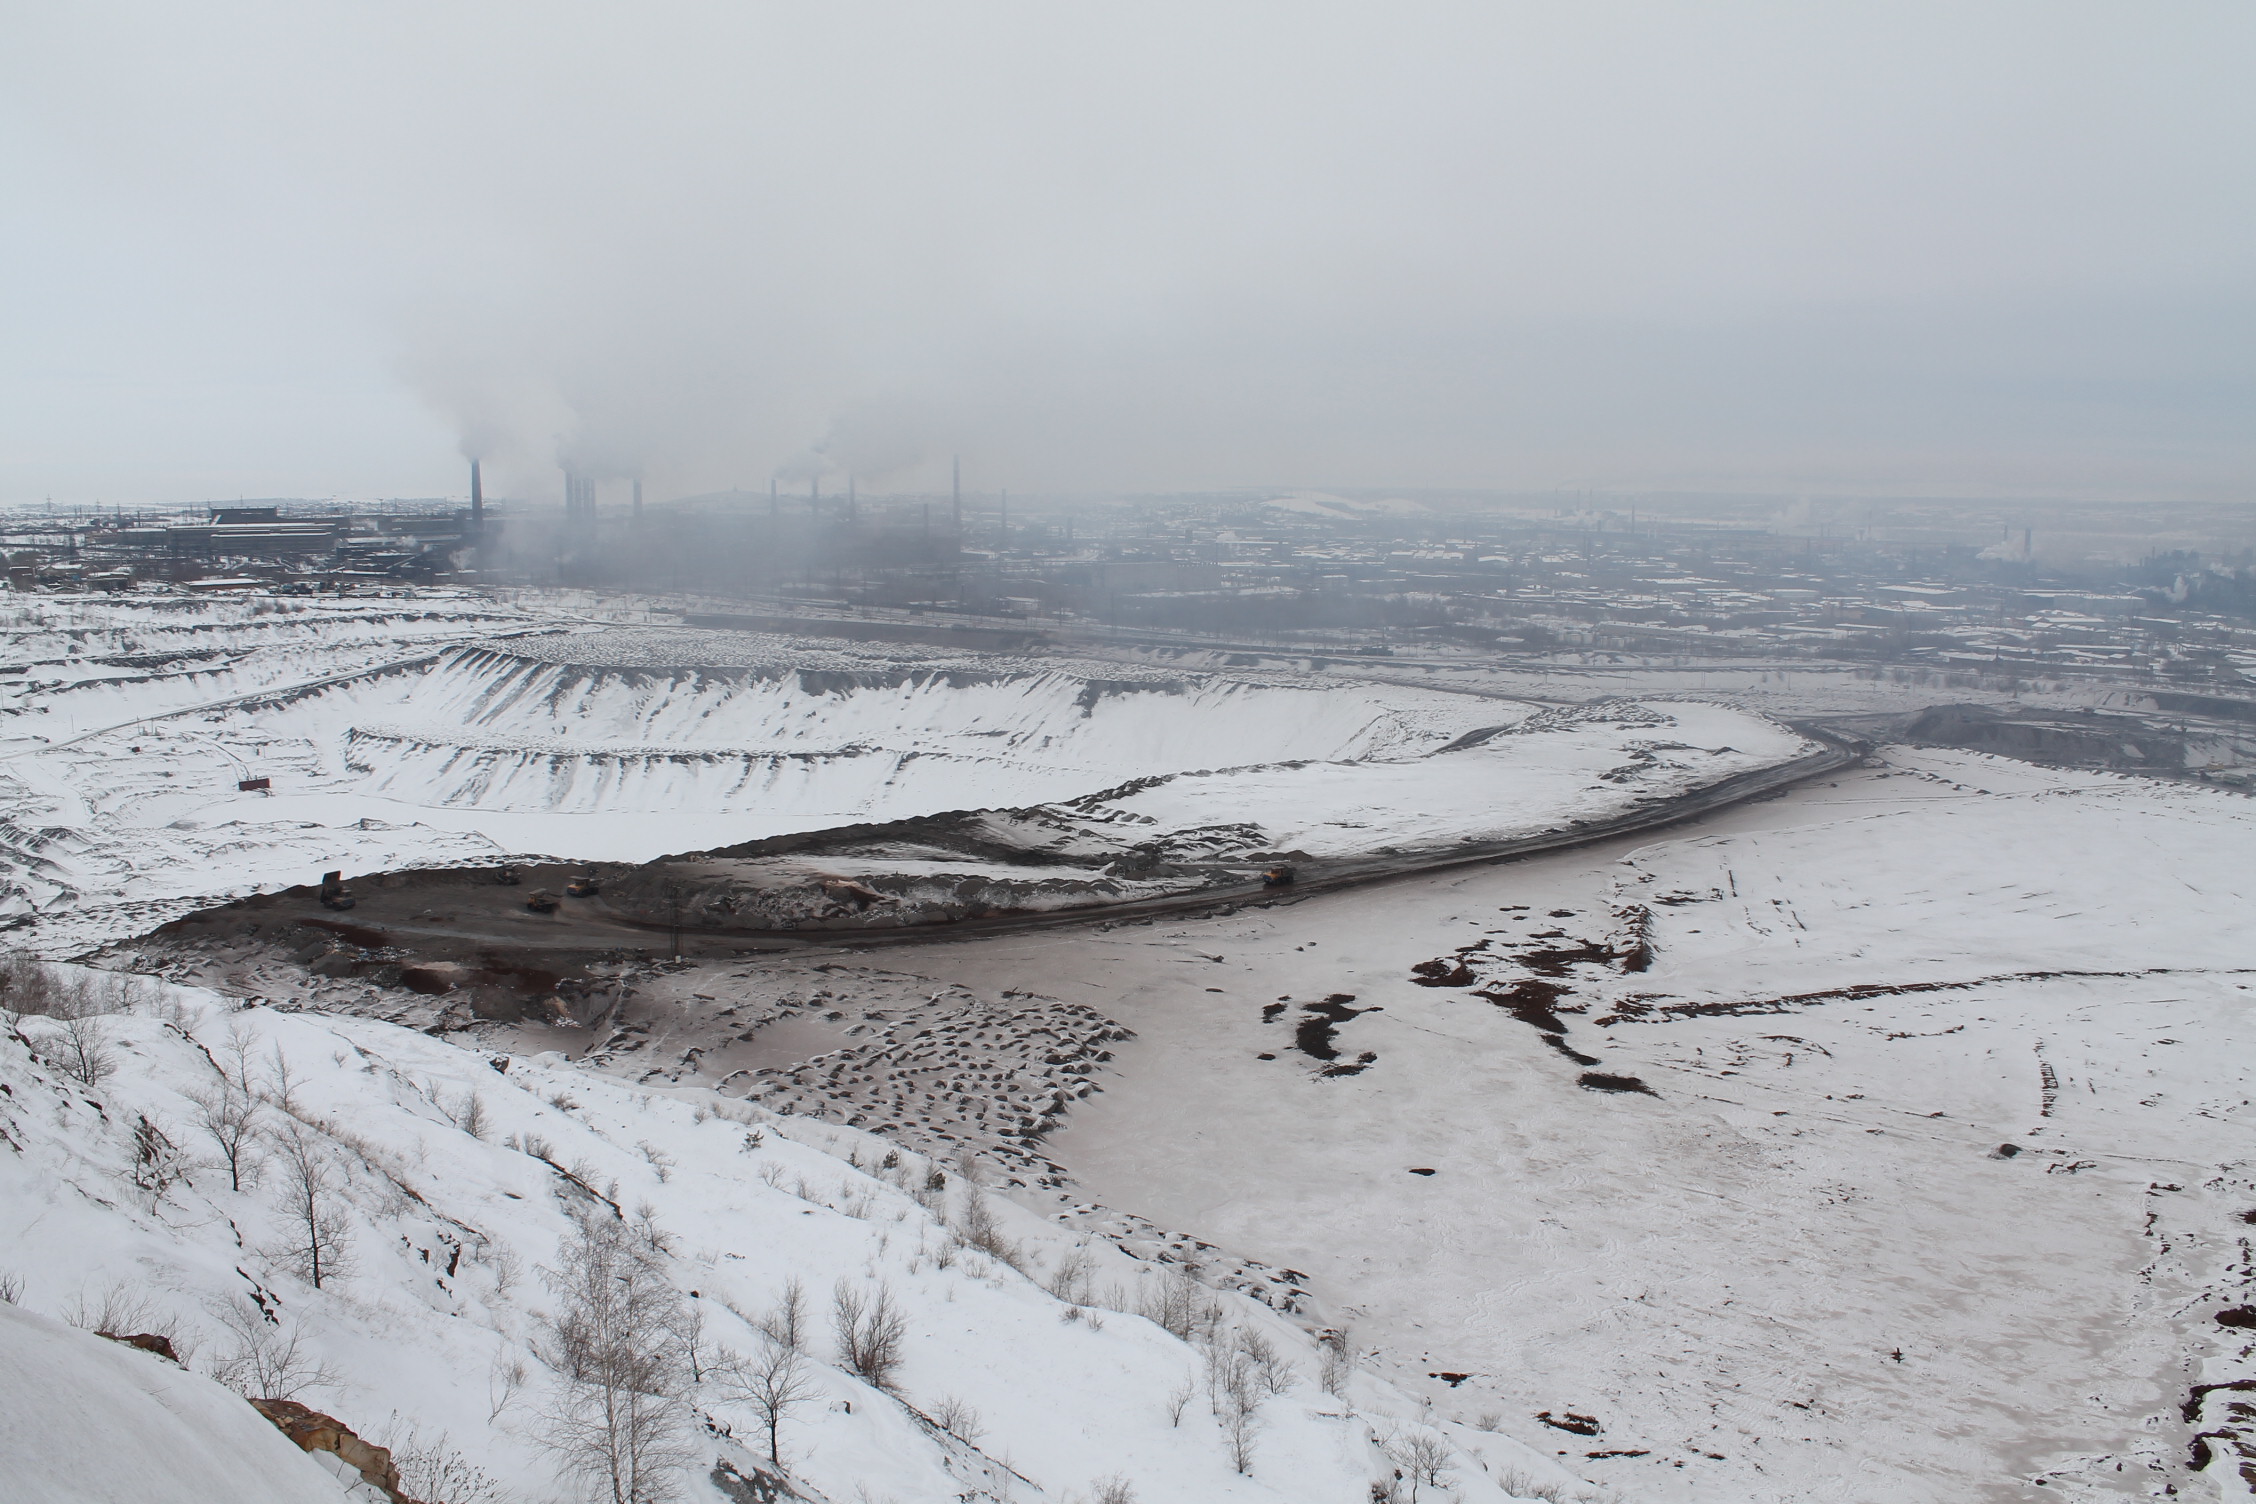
262 250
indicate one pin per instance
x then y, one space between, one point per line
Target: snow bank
88 1421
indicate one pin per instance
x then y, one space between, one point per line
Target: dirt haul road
442 912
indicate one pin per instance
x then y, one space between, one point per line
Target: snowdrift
88 1421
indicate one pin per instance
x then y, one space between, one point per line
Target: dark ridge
1601 1081
1558 1042
1637 1010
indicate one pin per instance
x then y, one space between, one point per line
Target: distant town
2165 592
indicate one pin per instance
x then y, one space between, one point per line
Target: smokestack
850 499
955 489
1006 521
579 499
638 499
477 499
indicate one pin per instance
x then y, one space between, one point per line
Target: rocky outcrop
315 1432
148 1342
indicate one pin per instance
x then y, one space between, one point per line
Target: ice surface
1724 1269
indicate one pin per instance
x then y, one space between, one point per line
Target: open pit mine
1174 1076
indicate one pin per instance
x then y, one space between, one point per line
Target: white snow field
1786 1257
451 1182
1583 762
87 1421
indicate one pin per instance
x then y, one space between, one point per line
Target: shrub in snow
869 1328
773 1382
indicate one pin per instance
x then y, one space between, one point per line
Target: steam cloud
1172 246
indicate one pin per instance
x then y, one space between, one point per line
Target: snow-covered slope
452 1186
1583 763
87 1421
1187 832
384 741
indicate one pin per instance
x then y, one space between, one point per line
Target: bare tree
772 1382
689 1326
979 1229
1179 1399
1069 1282
869 1331
786 1323
958 1419
127 1310
1175 1302
1271 1371
268 1359
233 1058
431 1469
1234 1390
282 1082
232 1120
1335 1360
618 1421
505 1375
319 1246
84 1051
26 986
1113 1490
157 1161
1424 1458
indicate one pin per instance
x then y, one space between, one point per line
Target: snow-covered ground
449 730
452 1184
1684 1163
1584 763
436 731
1784 1257
84 1421
1184 833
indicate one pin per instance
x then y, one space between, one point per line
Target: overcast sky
321 249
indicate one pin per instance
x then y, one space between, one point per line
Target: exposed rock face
148 1342
315 1432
